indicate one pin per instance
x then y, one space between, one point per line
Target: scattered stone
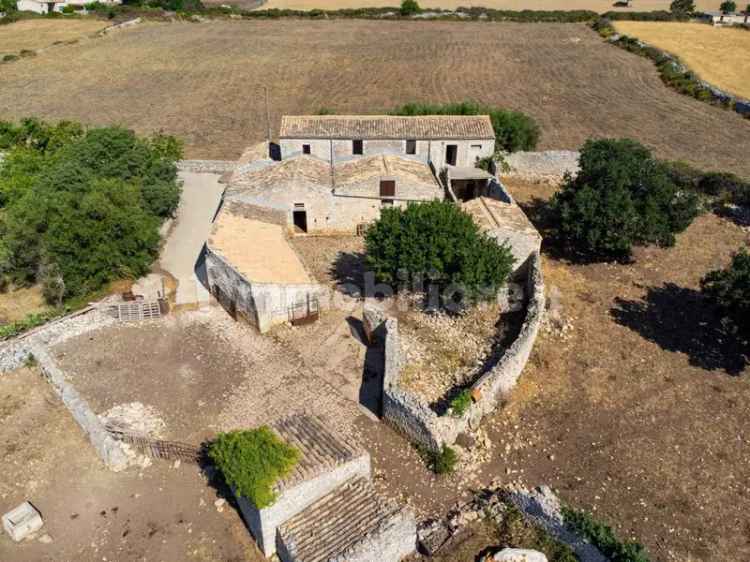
466 441
219 504
45 539
519 555
21 522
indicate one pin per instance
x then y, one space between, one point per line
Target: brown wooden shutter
387 188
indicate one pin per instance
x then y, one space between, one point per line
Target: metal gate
305 312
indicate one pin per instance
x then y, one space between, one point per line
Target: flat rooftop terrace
258 250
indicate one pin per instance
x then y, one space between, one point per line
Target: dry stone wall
206 166
547 166
413 416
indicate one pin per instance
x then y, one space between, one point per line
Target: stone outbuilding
442 140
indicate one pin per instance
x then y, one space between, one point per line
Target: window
386 203
387 188
476 147
357 147
411 147
305 149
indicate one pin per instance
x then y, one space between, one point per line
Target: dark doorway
300 220
451 154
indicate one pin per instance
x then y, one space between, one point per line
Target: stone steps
335 523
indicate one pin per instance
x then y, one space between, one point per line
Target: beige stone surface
258 250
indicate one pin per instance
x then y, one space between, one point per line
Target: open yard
204 82
40 33
717 55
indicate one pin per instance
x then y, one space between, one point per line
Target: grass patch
460 404
603 538
440 462
515 531
253 461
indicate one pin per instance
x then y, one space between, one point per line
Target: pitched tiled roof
427 127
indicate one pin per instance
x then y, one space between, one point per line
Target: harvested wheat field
39 33
718 55
600 6
203 82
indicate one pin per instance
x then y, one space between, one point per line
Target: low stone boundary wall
108 449
546 166
414 417
118 26
206 166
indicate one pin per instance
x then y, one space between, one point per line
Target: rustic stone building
441 140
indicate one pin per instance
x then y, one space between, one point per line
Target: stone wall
413 417
206 166
547 166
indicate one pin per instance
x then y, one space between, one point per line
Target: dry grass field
595 5
718 55
204 82
39 33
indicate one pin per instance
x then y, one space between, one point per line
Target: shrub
409 8
438 243
621 197
440 462
460 404
682 6
729 289
252 462
718 188
10 58
68 9
513 130
728 6
82 208
603 538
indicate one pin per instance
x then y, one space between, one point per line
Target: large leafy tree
439 243
730 289
622 196
682 6
81 208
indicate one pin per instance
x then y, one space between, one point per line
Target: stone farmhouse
728 18
333 176
48 7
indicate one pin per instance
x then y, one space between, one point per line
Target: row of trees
688 6
82 207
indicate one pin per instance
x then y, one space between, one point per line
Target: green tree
622 196
730 290
513 130
438 243
682 6
82 208
410 7
728 6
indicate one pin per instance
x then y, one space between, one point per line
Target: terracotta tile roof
427 127
361 169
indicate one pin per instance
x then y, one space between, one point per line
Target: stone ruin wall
414 417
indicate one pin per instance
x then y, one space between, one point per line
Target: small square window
305 149
411 147
386 203
357 147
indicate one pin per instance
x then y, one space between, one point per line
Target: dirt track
204 82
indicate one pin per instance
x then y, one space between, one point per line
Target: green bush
622 196
409 8
85 205
438 243
729 289
717 188
513 130
252 462
728 6
603 538
682 6
460 404
29 322
440 462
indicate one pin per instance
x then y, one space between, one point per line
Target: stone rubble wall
393 541
414 417
547 166
109 450
206 166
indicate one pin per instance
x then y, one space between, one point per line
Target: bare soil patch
639 413
203 82
17 303
39 33
90 513
718 55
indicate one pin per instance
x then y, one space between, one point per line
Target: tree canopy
80 208
440 244
730 290
682 6
622 196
